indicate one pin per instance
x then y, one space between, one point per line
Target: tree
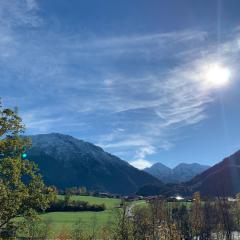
122 227
157 215
224 218
209 219
162 223
141 222
196 216
180 216
36 229
22 191
237 209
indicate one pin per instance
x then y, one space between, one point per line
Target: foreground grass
67 220
60 221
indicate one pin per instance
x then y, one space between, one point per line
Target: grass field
67 220
61 220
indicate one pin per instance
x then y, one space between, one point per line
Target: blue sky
129 76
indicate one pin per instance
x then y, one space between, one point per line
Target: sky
131 76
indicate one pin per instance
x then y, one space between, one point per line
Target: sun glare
217 75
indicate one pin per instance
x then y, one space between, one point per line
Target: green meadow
89 220
66 220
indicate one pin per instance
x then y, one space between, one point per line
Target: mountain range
65 162
181 173
223 179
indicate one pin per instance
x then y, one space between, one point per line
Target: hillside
181 173
223 179
65 161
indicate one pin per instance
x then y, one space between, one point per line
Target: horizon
154 81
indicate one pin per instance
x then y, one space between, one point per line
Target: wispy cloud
18 13
132 93
141 164
35 121
140 161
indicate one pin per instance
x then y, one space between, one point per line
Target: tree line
216 219
69 205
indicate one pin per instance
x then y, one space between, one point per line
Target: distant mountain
181 173
65 161
184 172
223 179
160 171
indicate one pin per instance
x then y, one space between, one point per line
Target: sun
217 75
